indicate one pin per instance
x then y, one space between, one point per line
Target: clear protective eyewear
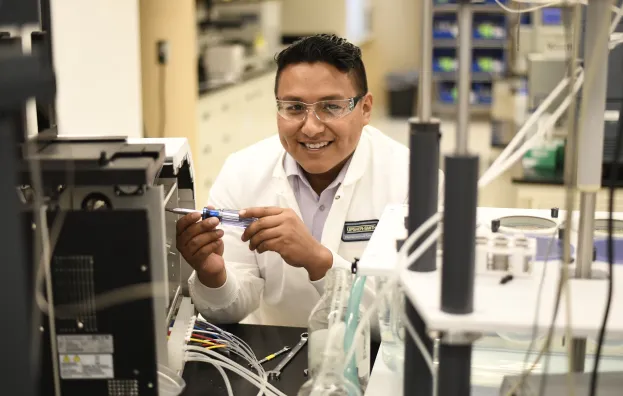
324 110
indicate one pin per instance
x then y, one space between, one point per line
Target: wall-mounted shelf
489 45
476 43
453 76
488 8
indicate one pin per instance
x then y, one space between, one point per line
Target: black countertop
207 88
203 379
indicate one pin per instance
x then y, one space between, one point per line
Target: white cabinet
229 120
351 19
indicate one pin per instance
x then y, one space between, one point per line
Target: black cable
614 172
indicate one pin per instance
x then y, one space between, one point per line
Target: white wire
389 287
524 10
516 156
550 98
206 332
539 6
406 246
219 367
530 122
418 342
197 357
218 356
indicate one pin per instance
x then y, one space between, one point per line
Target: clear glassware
330 380
391 327
327 325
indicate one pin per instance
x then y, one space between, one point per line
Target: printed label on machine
76 344
86 366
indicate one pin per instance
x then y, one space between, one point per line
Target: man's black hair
327 48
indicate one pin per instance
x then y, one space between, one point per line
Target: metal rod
584 261
418 380
425 94
590 141
465 83
572 34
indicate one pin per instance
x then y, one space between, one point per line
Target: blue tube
352 320
227 217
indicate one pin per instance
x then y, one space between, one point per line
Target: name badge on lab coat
357 231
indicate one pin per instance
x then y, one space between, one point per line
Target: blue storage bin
489 26
445 26
448 93
484 94
481 93
444 60
488 60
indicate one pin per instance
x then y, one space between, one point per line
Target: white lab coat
261 287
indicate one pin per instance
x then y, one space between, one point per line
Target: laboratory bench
544 189
492 360
204 379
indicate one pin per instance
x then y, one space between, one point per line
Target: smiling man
318 189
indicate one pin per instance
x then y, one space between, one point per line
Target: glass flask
330 379
327 325
391 327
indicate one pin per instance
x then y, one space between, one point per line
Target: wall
97 63
394 45
175 22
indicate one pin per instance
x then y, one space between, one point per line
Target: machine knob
554 213
495 225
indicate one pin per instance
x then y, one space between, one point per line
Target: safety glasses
324 110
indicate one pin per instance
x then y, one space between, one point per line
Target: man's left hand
280 230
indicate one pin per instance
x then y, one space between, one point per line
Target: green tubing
352 320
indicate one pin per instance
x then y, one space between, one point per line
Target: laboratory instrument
228 217
275 373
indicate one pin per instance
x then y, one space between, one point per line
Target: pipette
226 216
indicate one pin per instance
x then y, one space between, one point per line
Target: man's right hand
201 245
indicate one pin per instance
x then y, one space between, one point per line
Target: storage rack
493 44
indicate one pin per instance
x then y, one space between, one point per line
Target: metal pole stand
418 380
423 199
455 368
423 185
459 230
590 144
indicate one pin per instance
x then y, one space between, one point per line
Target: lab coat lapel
285 195
332 232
